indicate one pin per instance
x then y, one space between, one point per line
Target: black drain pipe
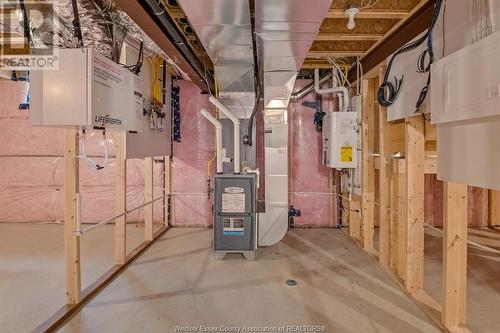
159 14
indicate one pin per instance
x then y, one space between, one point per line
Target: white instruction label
233 202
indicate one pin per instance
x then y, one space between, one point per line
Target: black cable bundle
76 24
394 88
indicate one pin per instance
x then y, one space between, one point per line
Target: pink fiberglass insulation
477 201
32 173
310 183
32 170
191 206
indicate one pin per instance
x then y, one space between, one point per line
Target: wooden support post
368 165
454 255
120 199
71 239
384 183
148 196
494 208
415 159
398 221
355 217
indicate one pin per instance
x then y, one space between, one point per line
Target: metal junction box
235 223
88 89
340 140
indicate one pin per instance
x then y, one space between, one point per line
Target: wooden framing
368 164
493 208
148 196
347 37
120 199
384 184
76 298
430 164
454 255
335 54
338 13
71 238
398 222
415 156
66 312
355 217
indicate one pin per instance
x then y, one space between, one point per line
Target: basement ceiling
334 39
372 26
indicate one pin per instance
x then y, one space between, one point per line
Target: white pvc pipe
236 125
342 90
218 137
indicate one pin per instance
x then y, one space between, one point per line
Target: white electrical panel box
88 89
466 84
340 140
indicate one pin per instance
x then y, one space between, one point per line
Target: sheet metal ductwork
224 28
285 30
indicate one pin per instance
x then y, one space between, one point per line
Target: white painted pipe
342 90
236 126
253 171
218 137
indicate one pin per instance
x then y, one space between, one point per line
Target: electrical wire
26 24
136 69
365 4
76 23
388 91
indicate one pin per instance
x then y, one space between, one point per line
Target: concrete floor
483 278
177 282
32 269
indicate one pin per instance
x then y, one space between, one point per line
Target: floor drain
291 282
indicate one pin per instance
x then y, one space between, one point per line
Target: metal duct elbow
342 90
236 126
218 137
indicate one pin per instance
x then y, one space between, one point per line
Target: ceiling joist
348 37
334 54
337 13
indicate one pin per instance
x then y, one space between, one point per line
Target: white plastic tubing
236 125
90 161
218 137
342 90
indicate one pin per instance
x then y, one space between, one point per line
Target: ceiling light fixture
351 13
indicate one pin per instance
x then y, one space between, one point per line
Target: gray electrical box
235 224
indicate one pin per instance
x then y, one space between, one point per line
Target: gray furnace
235 222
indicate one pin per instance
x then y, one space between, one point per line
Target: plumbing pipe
87 159
236 126
218 137
247 170
298 95
343 90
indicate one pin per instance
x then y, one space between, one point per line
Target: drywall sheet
32 170
405 67
468 150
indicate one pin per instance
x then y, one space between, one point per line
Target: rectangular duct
285 30
224 28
